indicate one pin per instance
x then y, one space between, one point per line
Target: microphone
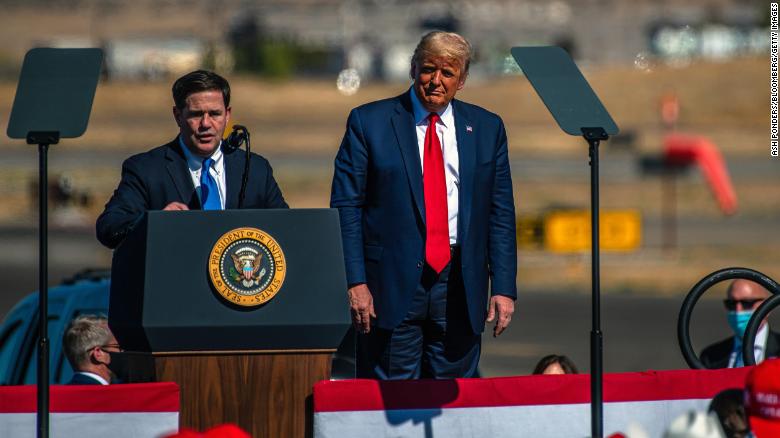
238 137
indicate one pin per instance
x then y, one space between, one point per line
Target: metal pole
669 208
43 294
596 338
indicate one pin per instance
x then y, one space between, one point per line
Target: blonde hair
83 334
444 44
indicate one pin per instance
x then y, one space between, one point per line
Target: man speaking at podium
171 177
423 188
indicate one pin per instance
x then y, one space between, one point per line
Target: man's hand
176 206
505 307
361 304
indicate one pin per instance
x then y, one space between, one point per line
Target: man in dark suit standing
171 177
424 192
88 344
742 298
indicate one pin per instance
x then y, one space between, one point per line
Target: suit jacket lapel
467 157
403 124
234 171
180 173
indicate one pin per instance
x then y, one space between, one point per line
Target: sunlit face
202 121
554 368
436 81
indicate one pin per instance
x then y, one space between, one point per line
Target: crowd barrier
116 411
539 406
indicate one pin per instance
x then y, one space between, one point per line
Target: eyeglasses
746 304
103 347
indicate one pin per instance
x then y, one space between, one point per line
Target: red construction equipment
682 150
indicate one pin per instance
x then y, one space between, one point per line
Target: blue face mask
739 321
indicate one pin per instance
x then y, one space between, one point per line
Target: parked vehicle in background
85 293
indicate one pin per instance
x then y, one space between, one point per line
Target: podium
242 308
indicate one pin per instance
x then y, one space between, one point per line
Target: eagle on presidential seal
247 267
247 262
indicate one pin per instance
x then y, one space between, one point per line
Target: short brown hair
445 44
197 81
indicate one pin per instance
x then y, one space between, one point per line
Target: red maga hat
762 399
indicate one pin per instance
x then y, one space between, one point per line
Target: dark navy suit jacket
378 189
718 354
153 179
83 379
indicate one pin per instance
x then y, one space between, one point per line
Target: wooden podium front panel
266 394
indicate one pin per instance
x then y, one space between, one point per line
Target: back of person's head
84 333
566 365
762 399
196 82
694 424
729 406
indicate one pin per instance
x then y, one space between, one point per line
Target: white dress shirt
217 170
735 360
445 129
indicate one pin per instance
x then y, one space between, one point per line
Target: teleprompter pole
43 293
44 139
593 137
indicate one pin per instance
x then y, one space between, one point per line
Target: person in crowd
172 176
762 399
742 298
88 345
729 406
424 192
555 364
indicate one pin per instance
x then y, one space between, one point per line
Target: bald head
746 289
741 290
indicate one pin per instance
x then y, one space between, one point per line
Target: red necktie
437 240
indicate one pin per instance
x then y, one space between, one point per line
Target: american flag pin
469 128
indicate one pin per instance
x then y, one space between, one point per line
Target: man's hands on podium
361 305
504 307
175 206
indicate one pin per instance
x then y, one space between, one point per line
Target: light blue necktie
209 194
738 349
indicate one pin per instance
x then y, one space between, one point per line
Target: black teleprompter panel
55 92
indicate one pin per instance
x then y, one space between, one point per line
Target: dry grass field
726 101
303 121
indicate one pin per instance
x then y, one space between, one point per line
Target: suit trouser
435 339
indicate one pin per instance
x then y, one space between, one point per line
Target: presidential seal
247 266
